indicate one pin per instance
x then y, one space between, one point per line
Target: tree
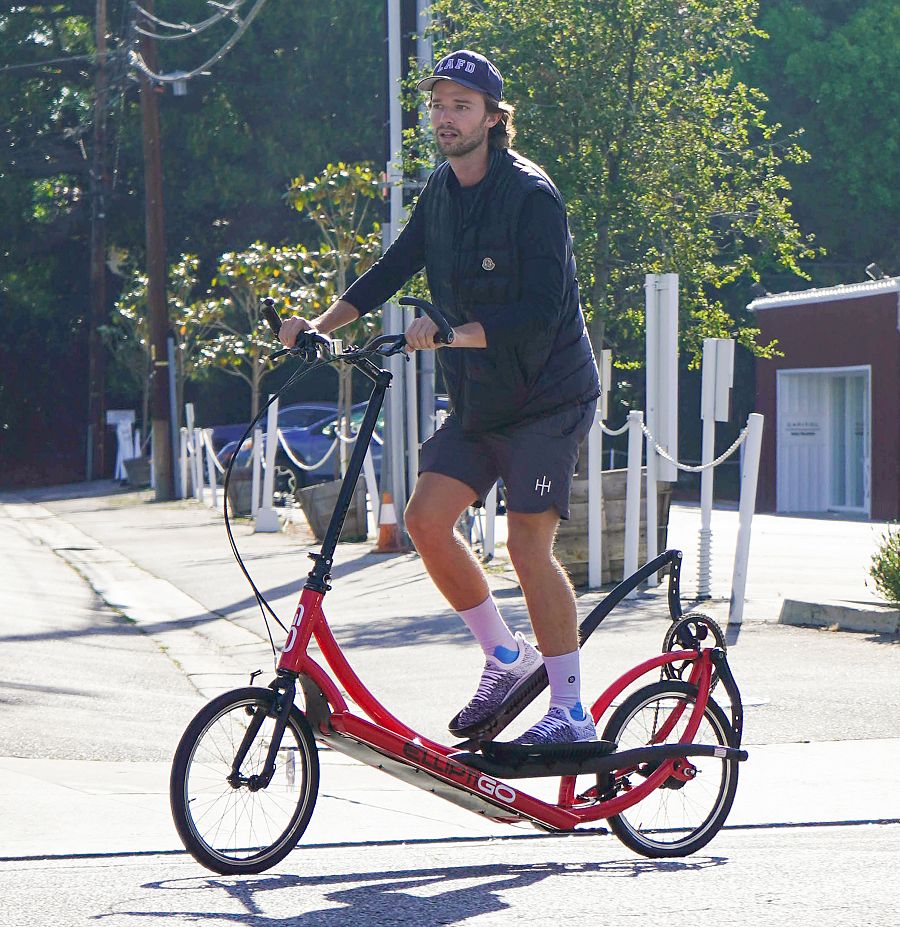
831 69
666 160
127 336
339 202
239 341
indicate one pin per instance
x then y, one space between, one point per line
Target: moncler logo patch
488 264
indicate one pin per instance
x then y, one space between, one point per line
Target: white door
822 453
801 452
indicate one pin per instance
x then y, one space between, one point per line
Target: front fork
284 686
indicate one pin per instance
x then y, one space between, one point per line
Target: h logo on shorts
542 485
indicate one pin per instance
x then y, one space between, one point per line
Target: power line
188 30
41 64
138 62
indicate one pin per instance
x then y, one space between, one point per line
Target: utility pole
96 430
156 271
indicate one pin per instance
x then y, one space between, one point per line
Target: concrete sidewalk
167 568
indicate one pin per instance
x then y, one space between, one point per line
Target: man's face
459 118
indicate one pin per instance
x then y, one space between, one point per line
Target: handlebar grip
271 315
445 331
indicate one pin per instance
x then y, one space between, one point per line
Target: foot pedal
518 754
521 761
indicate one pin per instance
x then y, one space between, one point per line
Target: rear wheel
225 821
683 814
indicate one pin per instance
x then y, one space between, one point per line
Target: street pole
156 270
96 440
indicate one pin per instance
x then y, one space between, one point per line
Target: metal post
266 517
745 518
210 469
173 418
633 495
595 504
257 471
707 415
490 523
595 476
183 460
425 56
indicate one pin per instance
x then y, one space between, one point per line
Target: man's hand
292 327
420 335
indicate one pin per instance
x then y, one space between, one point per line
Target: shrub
885 569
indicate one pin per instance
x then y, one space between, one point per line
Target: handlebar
445 331
308 343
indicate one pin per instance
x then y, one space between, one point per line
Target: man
490 229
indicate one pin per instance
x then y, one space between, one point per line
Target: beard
463 144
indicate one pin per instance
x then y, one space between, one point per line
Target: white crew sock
564 674
489 628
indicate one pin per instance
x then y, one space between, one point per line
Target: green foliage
885 569
665 158
833 70
339 202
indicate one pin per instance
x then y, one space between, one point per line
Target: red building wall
838 333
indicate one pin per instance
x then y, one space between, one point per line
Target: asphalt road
92 704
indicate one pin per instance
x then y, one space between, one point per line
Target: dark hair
503 133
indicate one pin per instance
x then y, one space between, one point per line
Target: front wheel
225 821
683 814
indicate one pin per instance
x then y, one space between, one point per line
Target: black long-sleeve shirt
542 238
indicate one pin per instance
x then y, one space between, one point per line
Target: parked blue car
298 415
308 444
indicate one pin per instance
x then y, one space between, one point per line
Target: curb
841 616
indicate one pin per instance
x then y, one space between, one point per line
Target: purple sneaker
499 681
559 727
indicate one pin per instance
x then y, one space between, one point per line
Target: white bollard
266 516
745 518
198 466
595 504
257 471
633 495
717 378
183 460
211 469
490 524
372 487
595 475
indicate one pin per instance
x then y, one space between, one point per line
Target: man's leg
431 516
548 592
551 607
436 504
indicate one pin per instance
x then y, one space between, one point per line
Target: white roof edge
828 294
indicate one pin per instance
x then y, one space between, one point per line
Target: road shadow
442 895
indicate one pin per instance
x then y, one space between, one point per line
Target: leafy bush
885 569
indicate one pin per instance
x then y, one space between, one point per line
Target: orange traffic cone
389 538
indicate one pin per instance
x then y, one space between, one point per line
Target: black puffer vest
472 267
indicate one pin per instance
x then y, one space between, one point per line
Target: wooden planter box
318 503
571 546
240 491
137 471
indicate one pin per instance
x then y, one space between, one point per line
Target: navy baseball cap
469 69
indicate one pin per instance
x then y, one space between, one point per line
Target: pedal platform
520 761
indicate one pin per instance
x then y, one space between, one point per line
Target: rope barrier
299 463
686 468
207 442
612 432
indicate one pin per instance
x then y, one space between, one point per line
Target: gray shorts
535 460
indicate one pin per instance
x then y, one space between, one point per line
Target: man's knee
424 526
529 553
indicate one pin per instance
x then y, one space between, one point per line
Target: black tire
234 830
678 818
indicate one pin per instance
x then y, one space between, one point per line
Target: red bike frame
389 738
